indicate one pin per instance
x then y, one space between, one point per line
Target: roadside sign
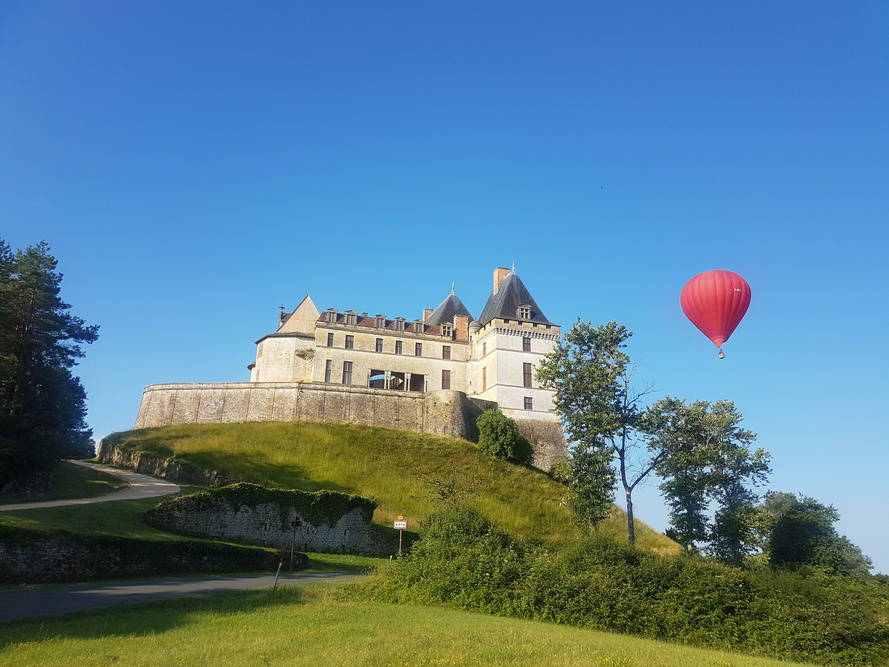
401 525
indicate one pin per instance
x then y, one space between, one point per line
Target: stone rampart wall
440 412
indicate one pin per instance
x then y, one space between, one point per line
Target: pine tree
42 404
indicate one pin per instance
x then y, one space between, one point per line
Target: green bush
461 559
499 436
561 470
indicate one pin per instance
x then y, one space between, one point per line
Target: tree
590 374
710 461
799 531
42 405
591 488
499 436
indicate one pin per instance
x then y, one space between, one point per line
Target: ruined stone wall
440 412
268 524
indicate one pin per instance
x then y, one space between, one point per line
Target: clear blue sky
194 165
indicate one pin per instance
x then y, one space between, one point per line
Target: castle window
347 372
350 342
447 330
445 351
330 339
328 370
418 349
330 315
418 327
446 379
351 318
379 347
259 350
484 349
399 347
379 322
399 324
524 312
526 344
529 403
526 374
484 379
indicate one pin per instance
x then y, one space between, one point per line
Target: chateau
433 374
492 358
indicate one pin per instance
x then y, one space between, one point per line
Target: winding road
138 486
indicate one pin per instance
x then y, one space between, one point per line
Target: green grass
325 624
398 469
120 518
71 481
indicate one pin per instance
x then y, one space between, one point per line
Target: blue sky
194 165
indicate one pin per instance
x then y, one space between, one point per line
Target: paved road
139 486
27 602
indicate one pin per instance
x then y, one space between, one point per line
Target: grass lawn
120 518
401 470
323 624
72 481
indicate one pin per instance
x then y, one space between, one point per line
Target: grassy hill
403 471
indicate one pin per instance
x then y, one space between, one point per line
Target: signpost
400 524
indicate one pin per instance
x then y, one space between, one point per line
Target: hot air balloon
715 302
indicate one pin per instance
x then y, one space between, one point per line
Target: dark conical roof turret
447 309
509 297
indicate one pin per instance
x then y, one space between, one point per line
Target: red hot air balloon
715 302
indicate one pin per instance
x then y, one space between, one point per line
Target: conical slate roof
446 311
505 304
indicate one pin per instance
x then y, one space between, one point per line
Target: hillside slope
403 471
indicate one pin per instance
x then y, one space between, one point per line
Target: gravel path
139 486
21 603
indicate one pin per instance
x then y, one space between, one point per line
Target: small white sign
401 525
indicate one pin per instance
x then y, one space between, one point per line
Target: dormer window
380 322
352 318
331 315
399 324
447 330
418 326
524 312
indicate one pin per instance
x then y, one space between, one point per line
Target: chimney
426 313
500 274
461 327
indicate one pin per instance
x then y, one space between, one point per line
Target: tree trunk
631 528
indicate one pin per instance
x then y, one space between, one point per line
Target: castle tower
508 341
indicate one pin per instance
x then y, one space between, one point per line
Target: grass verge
325 624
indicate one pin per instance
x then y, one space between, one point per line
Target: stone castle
434 374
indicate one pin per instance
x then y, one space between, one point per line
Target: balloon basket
721 354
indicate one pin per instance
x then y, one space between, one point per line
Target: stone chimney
426 313
461 327
500 274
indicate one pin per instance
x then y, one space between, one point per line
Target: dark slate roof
506 302
446 311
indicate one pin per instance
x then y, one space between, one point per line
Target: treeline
42 404
710 474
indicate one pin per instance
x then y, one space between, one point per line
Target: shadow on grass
145 618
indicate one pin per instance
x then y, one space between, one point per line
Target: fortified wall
441 412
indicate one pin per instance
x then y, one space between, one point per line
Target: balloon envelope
715 302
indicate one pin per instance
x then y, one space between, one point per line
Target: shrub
560 470
462 559
499 436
